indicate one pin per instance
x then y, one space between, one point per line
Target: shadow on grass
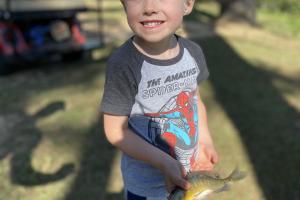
96 159
97 155
267 123
92 178
20 144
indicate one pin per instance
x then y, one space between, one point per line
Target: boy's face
156 20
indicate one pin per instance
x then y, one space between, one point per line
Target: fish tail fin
237 175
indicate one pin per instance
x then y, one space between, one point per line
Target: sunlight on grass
5 186
282 24
283 63
291 92
247 41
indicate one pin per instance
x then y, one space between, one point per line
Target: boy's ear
188 6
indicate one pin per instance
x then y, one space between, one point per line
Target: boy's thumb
215 159
184 184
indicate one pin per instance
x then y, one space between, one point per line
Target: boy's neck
162 50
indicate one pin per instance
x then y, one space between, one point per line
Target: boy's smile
152 23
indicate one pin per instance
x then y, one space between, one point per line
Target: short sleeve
119 90
201 62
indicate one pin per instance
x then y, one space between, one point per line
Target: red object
77 35
20 44
6 48
11 40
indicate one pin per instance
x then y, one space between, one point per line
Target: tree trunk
238 10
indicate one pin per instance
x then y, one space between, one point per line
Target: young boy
152 107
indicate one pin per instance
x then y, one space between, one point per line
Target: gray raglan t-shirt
159 97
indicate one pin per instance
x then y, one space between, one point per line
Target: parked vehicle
31 30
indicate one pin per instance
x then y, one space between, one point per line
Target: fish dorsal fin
202 174
211 174
194 176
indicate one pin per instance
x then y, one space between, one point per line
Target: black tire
5 68
73 56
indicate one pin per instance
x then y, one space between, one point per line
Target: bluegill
203 184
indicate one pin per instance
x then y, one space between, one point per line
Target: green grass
52 145
283 24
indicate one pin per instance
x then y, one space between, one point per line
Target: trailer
31 30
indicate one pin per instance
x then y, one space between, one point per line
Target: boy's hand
207 158
174 175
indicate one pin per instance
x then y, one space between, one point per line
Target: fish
203 184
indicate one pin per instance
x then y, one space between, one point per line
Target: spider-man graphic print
174 127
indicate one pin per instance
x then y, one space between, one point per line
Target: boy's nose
150 7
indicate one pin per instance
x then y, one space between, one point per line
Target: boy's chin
154 39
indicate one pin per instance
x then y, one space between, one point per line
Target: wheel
5 68
73 56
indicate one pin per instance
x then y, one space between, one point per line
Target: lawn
52 145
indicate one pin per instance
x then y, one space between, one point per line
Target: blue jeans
131 196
